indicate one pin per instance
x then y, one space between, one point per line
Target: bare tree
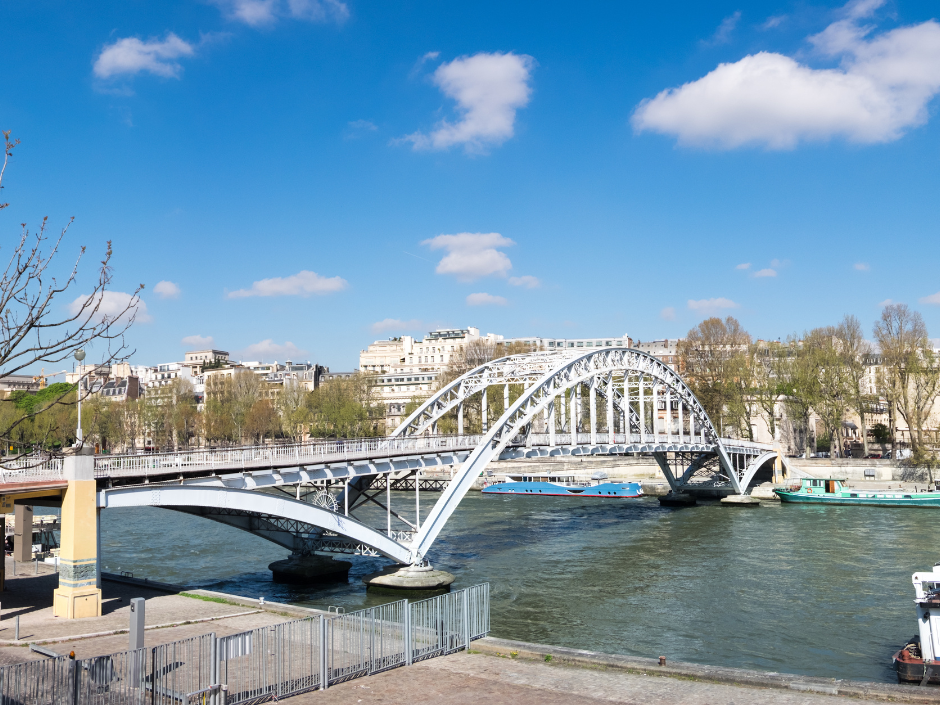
31 330
714 356
911 373
822 350
854 350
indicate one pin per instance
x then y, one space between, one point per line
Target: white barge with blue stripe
549 485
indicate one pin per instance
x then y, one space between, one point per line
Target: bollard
662 660
37 566
17 628
137 624
14 566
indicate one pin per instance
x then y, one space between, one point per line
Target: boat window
907 496
853 494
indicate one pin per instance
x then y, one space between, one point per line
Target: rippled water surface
816 590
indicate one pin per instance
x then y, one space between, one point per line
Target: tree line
827 371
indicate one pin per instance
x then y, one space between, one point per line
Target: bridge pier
78 595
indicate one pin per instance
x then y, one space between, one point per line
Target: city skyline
295 179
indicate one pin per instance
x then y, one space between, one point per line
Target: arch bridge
610 401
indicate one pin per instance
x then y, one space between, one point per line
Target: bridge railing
31 468
233 459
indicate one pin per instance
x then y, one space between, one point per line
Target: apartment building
584 344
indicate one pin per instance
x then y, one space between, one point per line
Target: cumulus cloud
269 350
197 342
166 290
130 56
482 299
393 324
886 302
527 280
472 255
744 265
112 306
258 13
711 306
668 314
933 299
861 266
488 90
303 283
880 90
766 273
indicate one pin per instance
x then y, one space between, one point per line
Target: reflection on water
817 590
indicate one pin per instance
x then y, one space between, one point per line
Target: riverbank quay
502 672
170 616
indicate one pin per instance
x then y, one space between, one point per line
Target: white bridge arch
622 376
556 414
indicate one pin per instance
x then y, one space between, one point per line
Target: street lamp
79 355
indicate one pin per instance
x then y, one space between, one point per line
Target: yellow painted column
78 595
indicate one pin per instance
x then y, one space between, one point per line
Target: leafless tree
31 330
854 350
911 372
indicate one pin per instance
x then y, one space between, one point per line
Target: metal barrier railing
268 663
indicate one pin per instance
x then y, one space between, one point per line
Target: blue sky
304 177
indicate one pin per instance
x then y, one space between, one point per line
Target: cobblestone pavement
468 679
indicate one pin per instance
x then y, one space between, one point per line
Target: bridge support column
562 414
611 437
22 533
77 595
551 423
681 423
572 421
593 403
505 397
460 419
642 428
483 406
655 415
668 416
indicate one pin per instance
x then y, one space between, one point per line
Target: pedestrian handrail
268 663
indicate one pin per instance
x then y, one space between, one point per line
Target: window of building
580 345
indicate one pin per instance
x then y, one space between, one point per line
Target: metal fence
268 663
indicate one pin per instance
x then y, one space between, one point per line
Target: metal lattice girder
257 503
562 372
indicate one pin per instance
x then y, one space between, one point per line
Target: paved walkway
470 679
29 596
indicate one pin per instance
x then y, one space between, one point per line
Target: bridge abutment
78 594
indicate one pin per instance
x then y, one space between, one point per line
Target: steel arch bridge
647 408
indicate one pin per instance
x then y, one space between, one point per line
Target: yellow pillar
78 595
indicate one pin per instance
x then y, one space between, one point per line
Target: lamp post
79 355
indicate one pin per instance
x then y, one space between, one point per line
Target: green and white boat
832 491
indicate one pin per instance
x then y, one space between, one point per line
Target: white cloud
197 342
527 280
744 265
711 306
258 13
880 90
668 314
886 302
111 305
301 284
482 299
774 21
766 273
166 290
130 56
861 266
777 263
723 34
488 89
394 324
933 299
363 125
269 350
472 255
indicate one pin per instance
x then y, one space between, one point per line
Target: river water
815 590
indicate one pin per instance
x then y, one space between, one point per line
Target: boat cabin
820 486
564 480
